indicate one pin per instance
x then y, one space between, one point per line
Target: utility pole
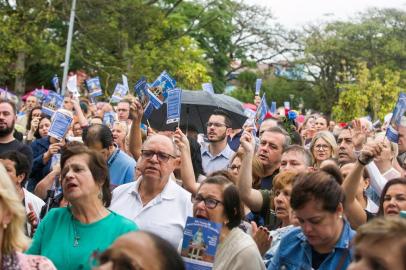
68 47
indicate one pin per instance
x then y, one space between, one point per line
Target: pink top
34 262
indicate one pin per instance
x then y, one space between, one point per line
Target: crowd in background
116 195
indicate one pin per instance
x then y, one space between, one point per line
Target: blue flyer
94 88
51 103
60 124
109 119
159 88
258 84
119 92
200 241
40 94
55 83
398 119
173 106
141 90
145 97
208 87
148 110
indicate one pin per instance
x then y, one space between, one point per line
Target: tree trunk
19 86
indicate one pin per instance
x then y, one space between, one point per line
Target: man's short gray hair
279 130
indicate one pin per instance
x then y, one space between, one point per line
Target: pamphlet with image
60 124
398 119
200 241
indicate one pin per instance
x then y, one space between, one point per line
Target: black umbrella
196 108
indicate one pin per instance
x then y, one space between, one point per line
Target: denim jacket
295 253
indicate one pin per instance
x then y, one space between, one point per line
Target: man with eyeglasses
123 111
217 154
155 202
121 166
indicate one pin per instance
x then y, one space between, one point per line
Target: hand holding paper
181 140
136 110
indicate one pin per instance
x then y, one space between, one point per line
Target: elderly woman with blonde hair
12 237
322 147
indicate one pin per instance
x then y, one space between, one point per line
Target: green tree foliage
26 42
195 41
371 94
332 52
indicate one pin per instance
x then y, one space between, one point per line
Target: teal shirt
56 235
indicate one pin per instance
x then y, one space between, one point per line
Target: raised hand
136 110
369 152
247 142
181 140
261 237
34 124
358 135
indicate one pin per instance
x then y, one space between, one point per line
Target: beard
219 138
7 130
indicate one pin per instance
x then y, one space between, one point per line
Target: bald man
155 202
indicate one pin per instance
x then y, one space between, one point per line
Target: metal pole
68 47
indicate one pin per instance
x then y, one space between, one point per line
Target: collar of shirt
168 192
343 241
113 156
227 152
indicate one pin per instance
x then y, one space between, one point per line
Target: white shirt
165 215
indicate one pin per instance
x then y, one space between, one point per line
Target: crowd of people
116 195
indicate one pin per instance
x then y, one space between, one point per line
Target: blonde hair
329 138
14 238
393 146
123 125
257 168
381 229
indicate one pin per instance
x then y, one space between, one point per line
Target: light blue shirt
219 162
121 168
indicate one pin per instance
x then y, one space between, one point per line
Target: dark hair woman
87 225
322 240
218 200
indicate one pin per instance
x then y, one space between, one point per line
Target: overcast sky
295 13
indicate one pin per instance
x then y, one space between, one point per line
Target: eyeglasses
163 157
321 147
210 203
215 124
234 167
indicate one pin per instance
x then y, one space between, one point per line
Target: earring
340 216
5 226
100 196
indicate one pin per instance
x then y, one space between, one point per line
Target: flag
261 111
258 84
